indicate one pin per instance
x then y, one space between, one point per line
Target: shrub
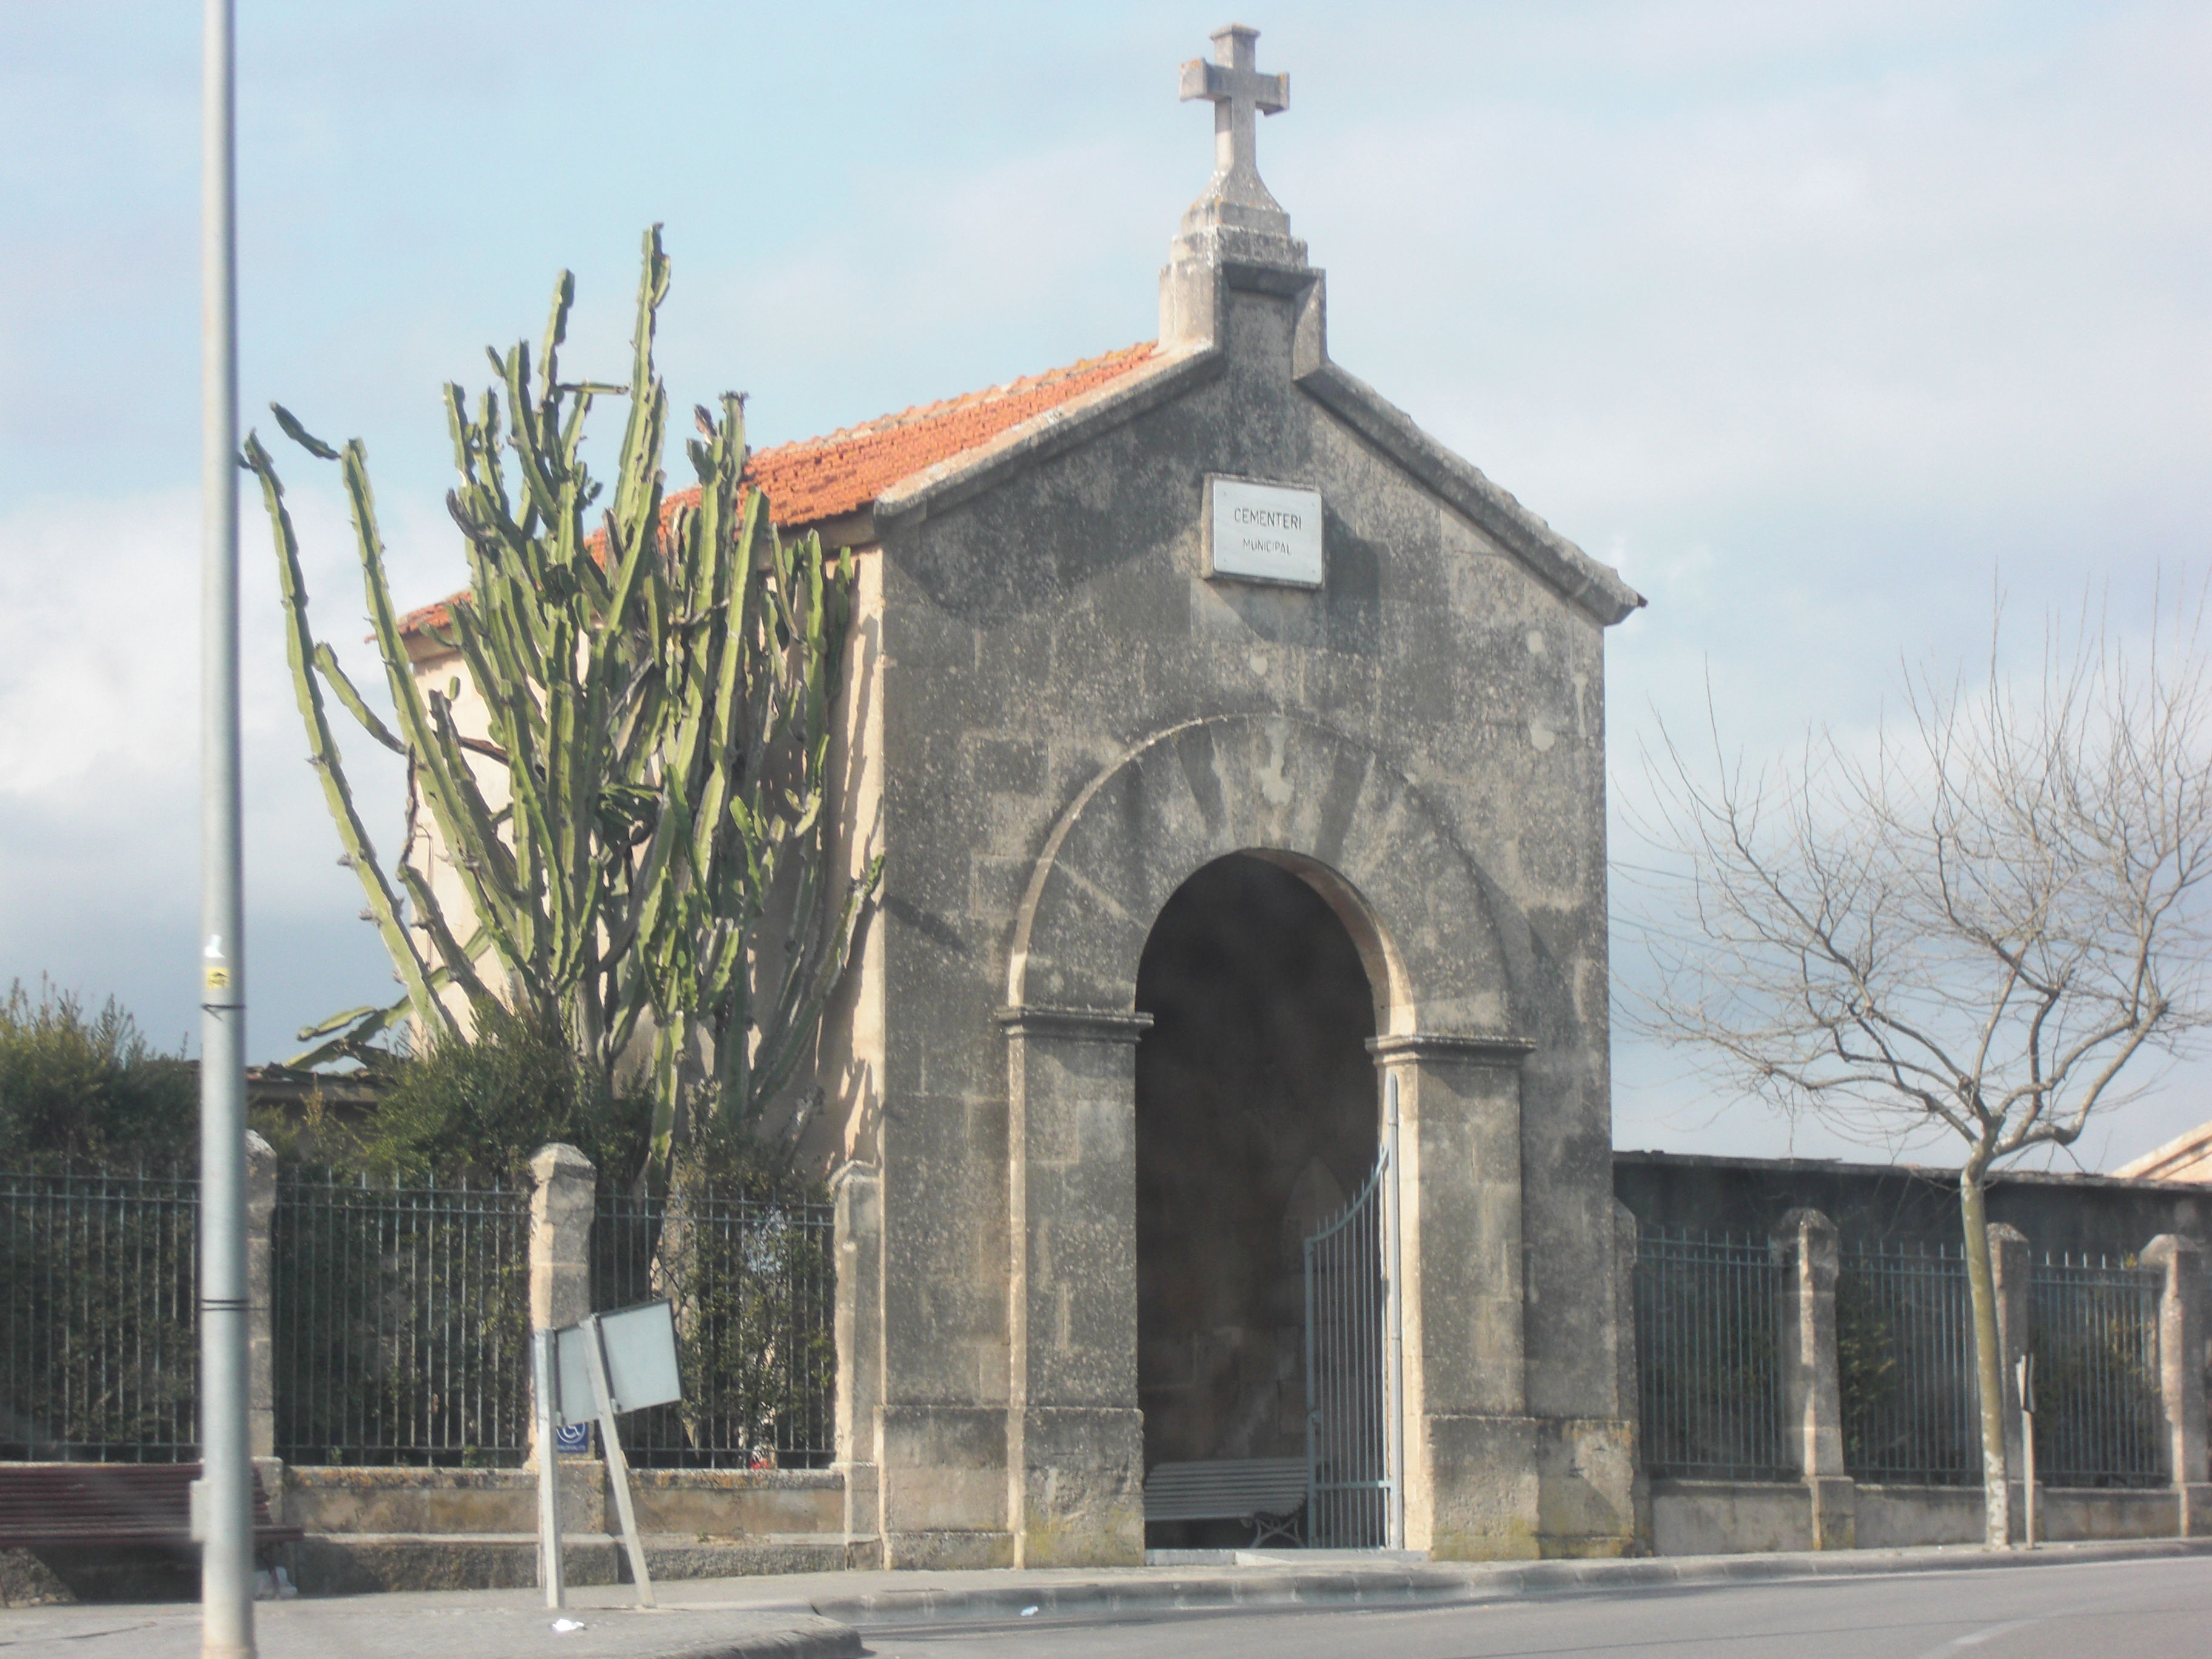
484 1103
87 1088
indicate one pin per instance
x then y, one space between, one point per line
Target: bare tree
1974 922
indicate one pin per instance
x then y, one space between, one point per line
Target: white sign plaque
1263 533
640 1350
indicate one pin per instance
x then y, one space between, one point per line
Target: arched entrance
1324 809
1256 1116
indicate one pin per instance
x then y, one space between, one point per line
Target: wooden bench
1268 1494
54 1505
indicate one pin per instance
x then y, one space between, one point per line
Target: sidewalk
456 1624
825 1615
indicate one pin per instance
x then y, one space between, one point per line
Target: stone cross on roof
1235 220
1236 89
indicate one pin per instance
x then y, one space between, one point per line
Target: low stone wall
371 1498
701 1503
356 1564
2066 1517
1897 1517
1730 1517
739 1502
1733 1517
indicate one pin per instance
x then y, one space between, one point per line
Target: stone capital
1504 1052
557 1160
2167 1249
1074 1025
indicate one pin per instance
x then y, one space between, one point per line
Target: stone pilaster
2181 1372
1471 1457
1075 1439
1812 1383
857 1191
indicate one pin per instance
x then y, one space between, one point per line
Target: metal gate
1355 1492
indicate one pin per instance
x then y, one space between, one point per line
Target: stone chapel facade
1182 865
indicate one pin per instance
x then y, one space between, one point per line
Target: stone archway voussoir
1270 784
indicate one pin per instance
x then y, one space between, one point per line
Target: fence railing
1904 1352
98 1348
2099 1416
751 1283
401 1323
1706 1312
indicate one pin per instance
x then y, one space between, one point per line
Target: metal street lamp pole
225 1500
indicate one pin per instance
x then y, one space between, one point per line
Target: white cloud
100 765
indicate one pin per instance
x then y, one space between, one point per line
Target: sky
1824 322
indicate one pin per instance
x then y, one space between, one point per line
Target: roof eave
1594 586
855 529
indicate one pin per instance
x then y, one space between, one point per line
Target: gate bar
1394 1373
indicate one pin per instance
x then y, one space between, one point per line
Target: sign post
604 1364
545 1374
603 1396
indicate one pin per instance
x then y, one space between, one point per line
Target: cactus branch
299 651
632 790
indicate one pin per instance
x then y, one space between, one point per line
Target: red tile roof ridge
811 480
1126 357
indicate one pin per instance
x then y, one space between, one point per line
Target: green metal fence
1905 1348
1705 1343
401 1322
2100 1411
99 1344
752 1284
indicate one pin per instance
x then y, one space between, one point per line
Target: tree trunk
1989 1359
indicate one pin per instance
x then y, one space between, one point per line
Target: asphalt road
2126 1609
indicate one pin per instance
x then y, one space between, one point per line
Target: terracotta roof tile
818 479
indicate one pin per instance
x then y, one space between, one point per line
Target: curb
1284 1588
808 1639
1249 1586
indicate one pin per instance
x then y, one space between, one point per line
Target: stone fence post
260 1323
260 1341
1812 1385
2012 1267
562 1183
2181 1373
1628 1374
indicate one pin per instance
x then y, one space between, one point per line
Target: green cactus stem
633 792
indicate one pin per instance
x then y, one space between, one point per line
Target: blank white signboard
1263 533
641 1344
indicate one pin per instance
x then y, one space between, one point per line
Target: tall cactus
657 701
